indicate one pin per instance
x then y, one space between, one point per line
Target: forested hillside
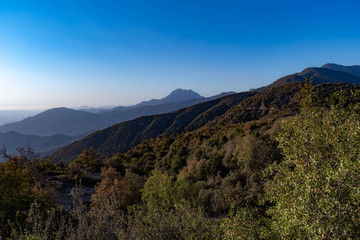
121 137
281 164
238 108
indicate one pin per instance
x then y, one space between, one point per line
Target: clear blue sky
72 53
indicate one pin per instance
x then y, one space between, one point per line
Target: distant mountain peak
338 65
180 90
62 111
59 109
182 94
330 64
354 69
177 95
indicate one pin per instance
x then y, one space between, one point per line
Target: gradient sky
96 53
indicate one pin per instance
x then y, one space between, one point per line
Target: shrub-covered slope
121 137
279 101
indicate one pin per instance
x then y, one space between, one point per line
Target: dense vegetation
283 164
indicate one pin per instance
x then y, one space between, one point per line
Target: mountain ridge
44 145
318 75
191 116
354 69
177 95
73 122
55 121
122 136
39 130
279 101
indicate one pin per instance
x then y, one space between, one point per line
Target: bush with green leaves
21 183
167 214
316 188
247 223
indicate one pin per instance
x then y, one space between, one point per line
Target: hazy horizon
69 54
77 107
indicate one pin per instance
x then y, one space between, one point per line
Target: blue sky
87 52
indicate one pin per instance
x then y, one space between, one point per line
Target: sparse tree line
293 178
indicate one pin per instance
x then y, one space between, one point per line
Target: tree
89 159
247 223
165 214
21 183
120 191
316 188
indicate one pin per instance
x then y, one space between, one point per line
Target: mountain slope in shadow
277 102
123 136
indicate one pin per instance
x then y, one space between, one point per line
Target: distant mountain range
277 102
40 130
196 111
57 121
236 108
121 137
76 122
44 145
